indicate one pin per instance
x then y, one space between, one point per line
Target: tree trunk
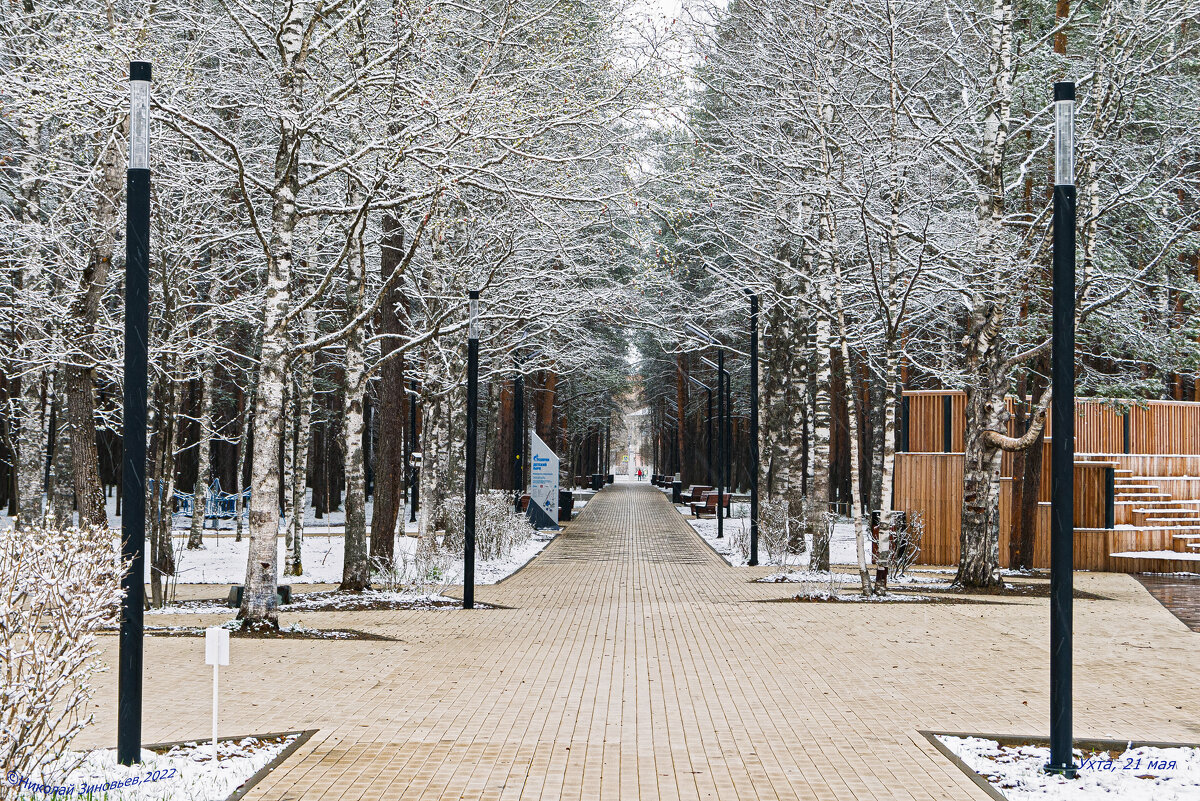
31 451
293 562
818 489
885 461
979 560
203 459
392 411
356 564
62 487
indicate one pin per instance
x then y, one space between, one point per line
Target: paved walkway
632 662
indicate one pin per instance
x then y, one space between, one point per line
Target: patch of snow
185 773
858 597
222 560
1138 774
1174 555
842 550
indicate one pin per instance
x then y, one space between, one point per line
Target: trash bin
597 482
676 492
566 504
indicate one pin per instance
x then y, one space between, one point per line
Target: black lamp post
472 413
753 466
1062 433
133 432
518 437
413 474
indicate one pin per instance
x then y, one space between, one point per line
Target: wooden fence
1155 427
931 483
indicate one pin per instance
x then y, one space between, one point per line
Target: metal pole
1062 434
753 466
472 413
413 483
720 444
518 443
727 446
133 468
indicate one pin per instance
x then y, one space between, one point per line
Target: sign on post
543 485
216 653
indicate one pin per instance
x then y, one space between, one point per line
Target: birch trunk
203 459
356 565
818 487
259 608
61 484
31 451
979 560
293 561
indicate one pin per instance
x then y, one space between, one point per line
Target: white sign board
543 478
216 646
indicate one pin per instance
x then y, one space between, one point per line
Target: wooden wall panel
931 483
1156 427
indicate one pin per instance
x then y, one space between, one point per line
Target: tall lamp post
1062 432
472 413
753 466
518 436
133 467
413 474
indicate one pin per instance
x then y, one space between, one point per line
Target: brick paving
632 662
1179 594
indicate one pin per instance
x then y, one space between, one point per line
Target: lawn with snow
185 773
222 560
737 533
1132 774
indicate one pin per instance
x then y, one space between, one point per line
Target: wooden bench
696 492
708 504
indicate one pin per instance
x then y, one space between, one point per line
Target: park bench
708 504
695 493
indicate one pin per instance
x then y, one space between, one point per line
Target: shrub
498 528
58 589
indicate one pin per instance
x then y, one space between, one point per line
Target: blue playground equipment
218 505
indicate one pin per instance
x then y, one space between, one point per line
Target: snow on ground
223 560
1175 555
1138 774
185 773
332 523
734 544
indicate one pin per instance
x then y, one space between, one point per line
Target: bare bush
907 535
498 529
58 589
424 570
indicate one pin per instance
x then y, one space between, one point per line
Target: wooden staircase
1151 520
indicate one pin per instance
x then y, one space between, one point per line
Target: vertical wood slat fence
931 483
1158 442
1155 427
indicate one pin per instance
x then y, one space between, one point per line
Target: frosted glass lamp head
473 326
1064 133
139 115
